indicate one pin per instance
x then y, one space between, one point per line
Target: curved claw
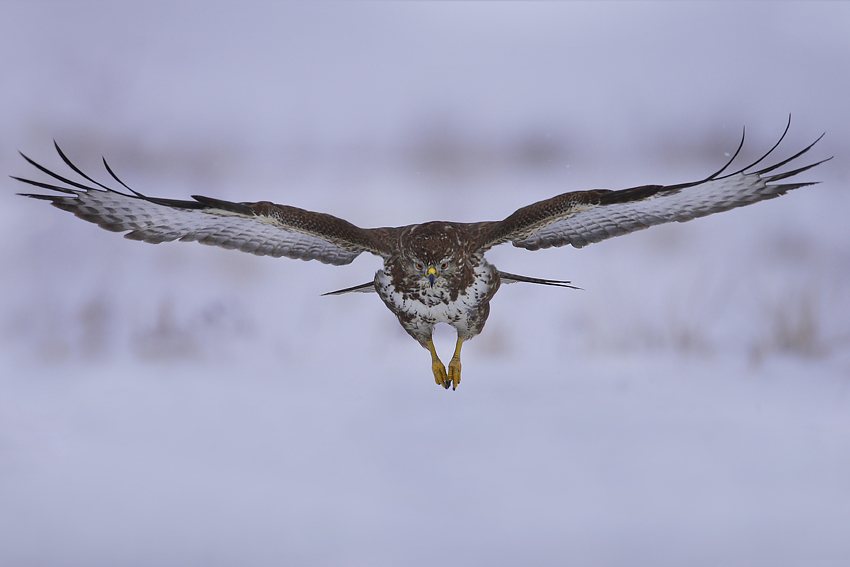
454 373
440 375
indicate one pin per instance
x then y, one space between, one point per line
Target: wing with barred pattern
261 228
583 217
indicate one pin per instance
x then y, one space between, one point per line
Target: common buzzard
433 272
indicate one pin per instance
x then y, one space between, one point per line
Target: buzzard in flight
433 272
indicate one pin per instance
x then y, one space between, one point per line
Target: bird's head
431 270
432 253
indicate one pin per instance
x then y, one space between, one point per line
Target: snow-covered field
183 405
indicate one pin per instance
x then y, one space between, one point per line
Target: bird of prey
433 272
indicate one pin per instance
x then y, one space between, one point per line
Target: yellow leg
454 365
437 367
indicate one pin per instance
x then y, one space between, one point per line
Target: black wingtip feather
731 159
780 176
76 169
54 175
116 178
38 195
200 202
43 185
792 158
770 151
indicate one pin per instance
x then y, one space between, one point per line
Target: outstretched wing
583 217
262 228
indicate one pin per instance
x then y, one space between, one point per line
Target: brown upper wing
262 228
582 217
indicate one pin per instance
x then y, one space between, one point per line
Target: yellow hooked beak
432 275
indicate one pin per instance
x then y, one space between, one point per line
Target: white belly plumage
432 305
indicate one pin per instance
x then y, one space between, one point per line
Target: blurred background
184 405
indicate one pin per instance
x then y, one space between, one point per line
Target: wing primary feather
780 176
43 186
717 173
54 175
728 163
76 169
115 177
36 195
770 151
792 158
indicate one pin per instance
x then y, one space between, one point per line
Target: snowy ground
182 405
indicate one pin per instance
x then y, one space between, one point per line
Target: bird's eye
418 266
444 265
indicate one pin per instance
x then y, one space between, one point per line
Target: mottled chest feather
459 298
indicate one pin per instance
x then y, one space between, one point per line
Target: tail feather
514 278
362 288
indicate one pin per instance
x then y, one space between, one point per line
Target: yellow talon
443 378
437 367
454 372
440 375
454 365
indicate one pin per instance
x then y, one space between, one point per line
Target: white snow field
183 405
